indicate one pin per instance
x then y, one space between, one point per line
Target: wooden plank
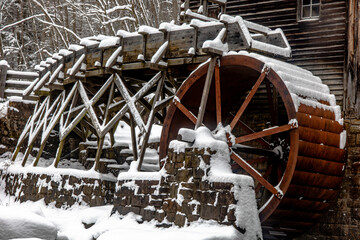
153 42
319 136
11 74
132 45
180 41
316 179
314 150
318 165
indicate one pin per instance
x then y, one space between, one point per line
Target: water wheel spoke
255 174
248 99
264 133
266 175
248 130
236 166
217 94
240 148
257 160
185 111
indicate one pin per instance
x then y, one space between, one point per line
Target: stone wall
342 220
13 118
179 195
59 189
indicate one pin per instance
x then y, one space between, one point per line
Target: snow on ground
38 221
35 220
123 134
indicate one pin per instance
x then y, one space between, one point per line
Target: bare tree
33 29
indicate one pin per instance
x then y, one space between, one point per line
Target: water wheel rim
252 63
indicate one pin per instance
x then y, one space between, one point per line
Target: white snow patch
18 222
109 42
148 30
342 143
4 109
217 43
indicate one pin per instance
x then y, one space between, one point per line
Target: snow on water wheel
283 129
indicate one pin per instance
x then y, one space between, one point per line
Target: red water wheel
292 150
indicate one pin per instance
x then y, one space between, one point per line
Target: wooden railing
13 83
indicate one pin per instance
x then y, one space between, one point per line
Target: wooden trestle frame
74 108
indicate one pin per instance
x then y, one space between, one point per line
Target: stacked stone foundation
60 190
12 124
179 195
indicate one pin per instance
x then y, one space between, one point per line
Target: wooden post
352 73
26 154
3 72
206 90
58 153
98 154
133 137
150 121
205 8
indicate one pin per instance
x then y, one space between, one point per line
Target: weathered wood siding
352 72
317 45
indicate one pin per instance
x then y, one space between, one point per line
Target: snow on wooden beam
112 59
77 65
130 102
41 82
139 94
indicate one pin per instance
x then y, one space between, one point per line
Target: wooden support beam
130 102
218 94
150 122
255 174
11 74
133 138
3 72
98 154
264 133
55 74
136 97
205 93
58 153
54 107
143 102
